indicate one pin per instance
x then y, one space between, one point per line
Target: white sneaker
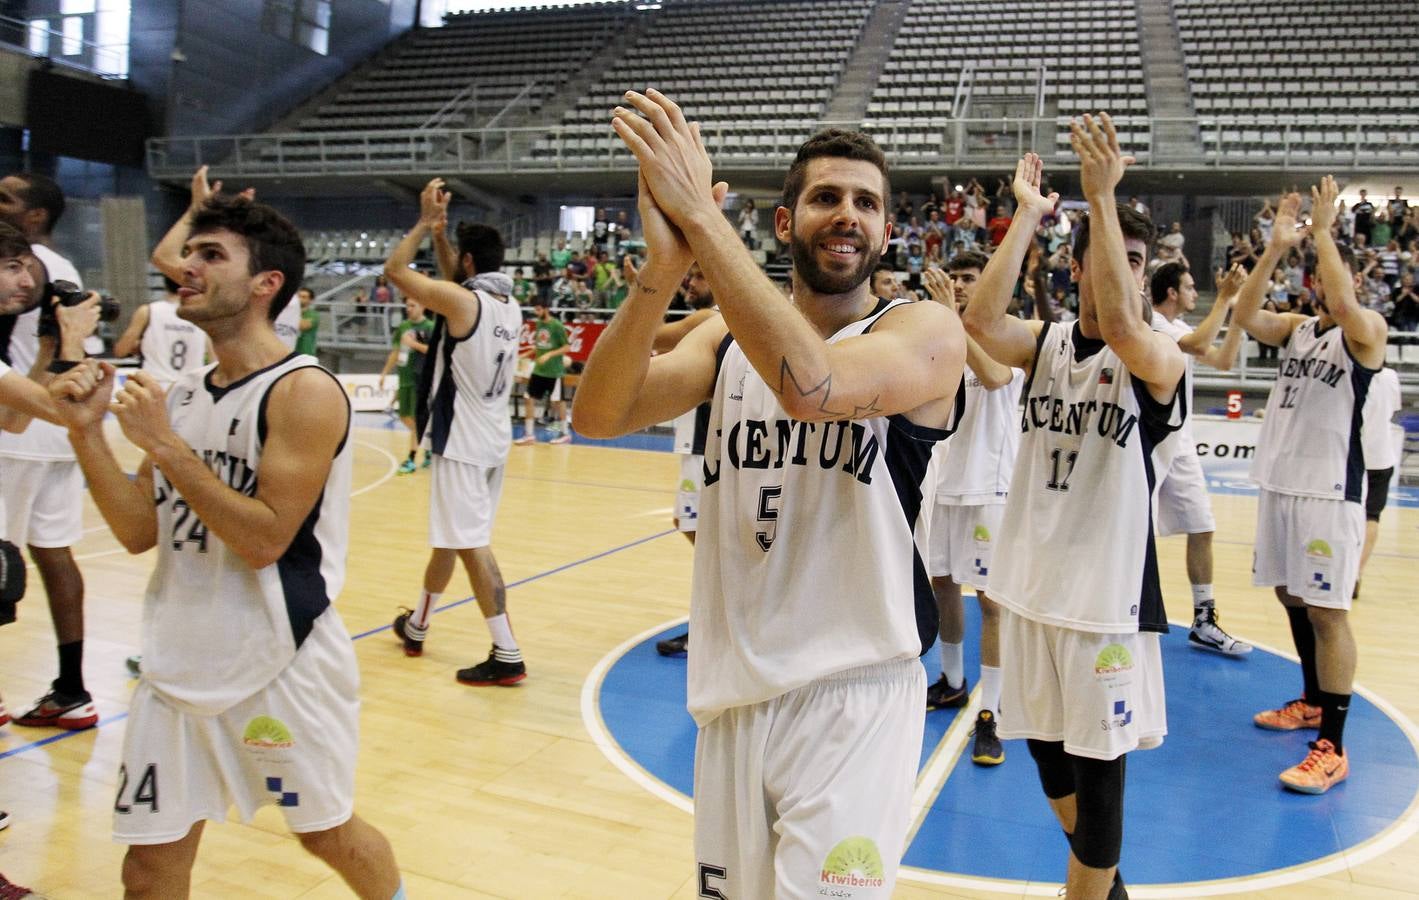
1206 634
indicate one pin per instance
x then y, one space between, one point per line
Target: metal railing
104 60
1227 141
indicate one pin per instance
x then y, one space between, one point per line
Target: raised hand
141 410
940 287
201 190
674 164
433 204
1229 284
1101 162
1286 230
1029 173
81 394
1323 205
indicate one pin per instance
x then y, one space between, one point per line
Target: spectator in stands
616 289
748 223
542 276
1380 230
934 237
997 226
1364 212
589 261
916 262
884 283
1406 226
1344 228
561 256
929 207
1405 316
1295 277
600 230
954 208
904 209
1389 262
602 276
1138 206
1374 292
523 289
563 293
382 293
1170 245
362 309
912 231
1398 206
623 222
310 322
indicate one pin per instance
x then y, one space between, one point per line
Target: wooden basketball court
493 792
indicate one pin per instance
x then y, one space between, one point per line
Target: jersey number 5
768 513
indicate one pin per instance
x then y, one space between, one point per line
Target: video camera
70 294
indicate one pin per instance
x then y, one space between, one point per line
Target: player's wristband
60 366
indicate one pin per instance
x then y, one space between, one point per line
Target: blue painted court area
1204 806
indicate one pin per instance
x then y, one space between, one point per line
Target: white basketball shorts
293 744
463 498
1309 544
1183 504
962 538
687 496
809 794
1101 694
44 501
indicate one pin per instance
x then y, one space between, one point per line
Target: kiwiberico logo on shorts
268 733
853 863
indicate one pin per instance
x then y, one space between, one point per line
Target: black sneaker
942 696
493 671
987 750
1118 891
676 646
411 646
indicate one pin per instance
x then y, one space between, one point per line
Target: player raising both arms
1075 569
810 601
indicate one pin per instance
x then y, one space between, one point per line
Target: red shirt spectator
998 226
955 207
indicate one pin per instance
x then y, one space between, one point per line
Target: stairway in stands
864 67
1166 76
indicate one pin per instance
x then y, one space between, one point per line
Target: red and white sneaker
72 712
4 716
11 891
1321 770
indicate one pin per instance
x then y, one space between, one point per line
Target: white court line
596 727
939 767
388 474
1402 829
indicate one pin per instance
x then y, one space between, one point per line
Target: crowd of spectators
592 278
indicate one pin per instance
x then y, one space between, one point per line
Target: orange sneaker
1322 769
1294 716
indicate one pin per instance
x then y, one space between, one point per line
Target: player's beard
821 281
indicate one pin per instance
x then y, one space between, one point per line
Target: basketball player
474 350
411 346
549 353
1075 569
973 479
1183 504
691 429
1309 463
810 601
1383 402
249 692
42 488
167 345
167 255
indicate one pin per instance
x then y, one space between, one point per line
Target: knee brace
1056 770
1098 827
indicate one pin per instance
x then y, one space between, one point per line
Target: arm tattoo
645 289
824 388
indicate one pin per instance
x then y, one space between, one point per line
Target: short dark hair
484 243
169 285
1131 222
42 193
967 259
272 242
836 143
1167 277
12 242
883 267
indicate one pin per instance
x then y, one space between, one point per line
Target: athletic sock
1304 634
71 673
1201 596
953 663
411 455
417 626
990 689
399 894
529 427
1333 709
504 646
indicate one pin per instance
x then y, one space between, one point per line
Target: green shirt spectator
310 323
550 334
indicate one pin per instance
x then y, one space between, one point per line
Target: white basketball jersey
1177 329
1382 402
806 562
288 323
1076 546
1310 439
40 440
215 630
170 345
468 401
978 460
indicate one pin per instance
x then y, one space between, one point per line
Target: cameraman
42 487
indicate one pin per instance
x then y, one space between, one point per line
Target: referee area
524 792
